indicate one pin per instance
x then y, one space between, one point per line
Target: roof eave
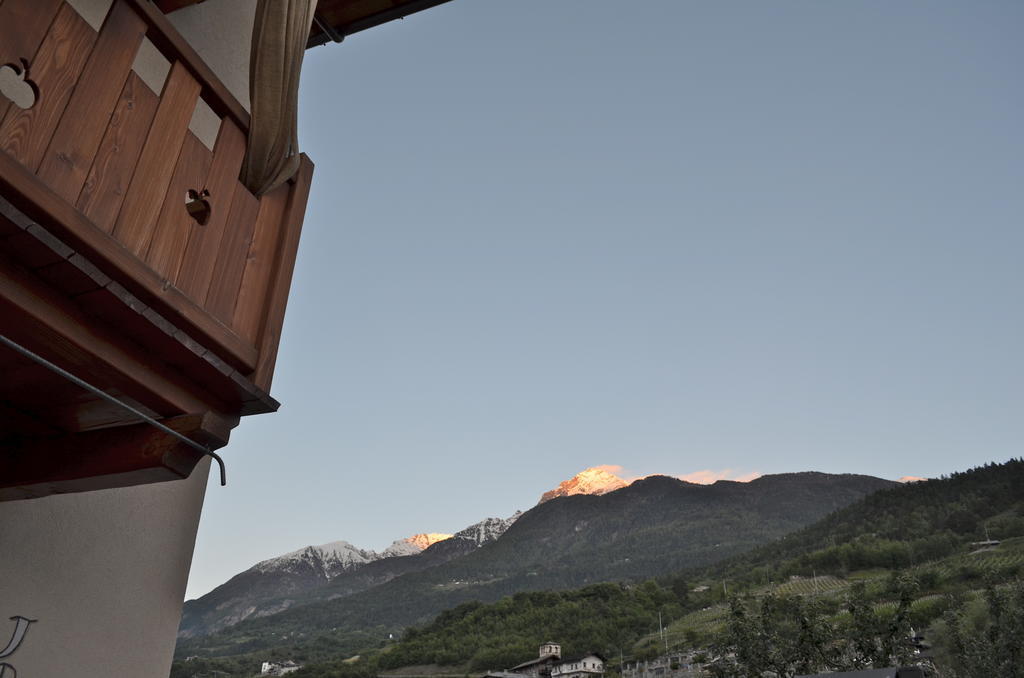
370 21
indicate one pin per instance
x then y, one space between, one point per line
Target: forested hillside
897 527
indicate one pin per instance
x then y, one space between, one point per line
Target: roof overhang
335 19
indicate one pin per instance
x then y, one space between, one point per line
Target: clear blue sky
759 236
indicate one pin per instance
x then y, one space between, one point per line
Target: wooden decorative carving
198 206
15 85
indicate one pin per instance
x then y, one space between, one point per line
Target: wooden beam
50 325
30 196
111 304
280 284
112 457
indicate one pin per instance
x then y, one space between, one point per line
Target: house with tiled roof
550 664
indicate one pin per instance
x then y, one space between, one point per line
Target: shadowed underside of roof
345 17
335 19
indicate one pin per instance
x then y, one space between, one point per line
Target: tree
783 635
985 635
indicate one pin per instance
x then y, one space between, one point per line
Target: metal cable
106 396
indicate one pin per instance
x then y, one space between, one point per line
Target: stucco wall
104 575
221 32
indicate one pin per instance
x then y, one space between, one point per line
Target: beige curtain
279 37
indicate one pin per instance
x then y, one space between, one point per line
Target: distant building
983 546
674 665
279 669
548 656
549 664
588 666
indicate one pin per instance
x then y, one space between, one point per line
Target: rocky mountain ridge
596 480
279 583
417 541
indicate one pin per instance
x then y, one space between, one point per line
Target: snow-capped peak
330 558
488 529
410 546
594 480
422 541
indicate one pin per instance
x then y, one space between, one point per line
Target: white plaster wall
93 11
221 32
104 573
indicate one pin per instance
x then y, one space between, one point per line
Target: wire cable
106 396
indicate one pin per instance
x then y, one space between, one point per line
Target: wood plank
168 6
25 133
23 25
29 251
204 241
7 227
92 412
115 307
68 278
232 254
118 153
33 247
50 398
111 457
259 264
70 154
47 323
277 302
108 301
142 204
15 423
167 246
170 42
32 387
38 203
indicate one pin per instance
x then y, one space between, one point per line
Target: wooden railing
107 166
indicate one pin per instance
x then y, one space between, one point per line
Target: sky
730 237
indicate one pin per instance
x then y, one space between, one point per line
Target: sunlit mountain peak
594 480
422 541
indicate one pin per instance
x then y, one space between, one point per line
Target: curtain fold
279 37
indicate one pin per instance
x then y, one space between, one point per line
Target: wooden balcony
130 253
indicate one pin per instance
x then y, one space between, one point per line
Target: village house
550 664
279 668
590 665
548 655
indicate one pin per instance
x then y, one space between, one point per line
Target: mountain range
276 584
651 527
